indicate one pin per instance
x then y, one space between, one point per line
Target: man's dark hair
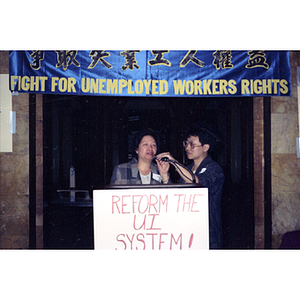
204 133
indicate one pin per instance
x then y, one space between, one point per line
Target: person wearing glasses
141 169
208 173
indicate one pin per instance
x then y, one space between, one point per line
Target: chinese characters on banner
152 73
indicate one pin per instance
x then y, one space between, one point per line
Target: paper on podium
151 219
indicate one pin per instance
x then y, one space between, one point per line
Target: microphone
166 159
162 159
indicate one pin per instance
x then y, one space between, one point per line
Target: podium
151 217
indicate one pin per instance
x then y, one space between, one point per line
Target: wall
258 145
285 164
14 176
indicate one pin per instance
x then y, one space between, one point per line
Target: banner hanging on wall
173 73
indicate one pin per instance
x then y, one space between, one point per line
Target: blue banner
189 73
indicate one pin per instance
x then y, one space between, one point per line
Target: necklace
144 171
145 178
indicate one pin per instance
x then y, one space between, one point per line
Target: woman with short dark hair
141 170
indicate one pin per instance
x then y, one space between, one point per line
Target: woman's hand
163 166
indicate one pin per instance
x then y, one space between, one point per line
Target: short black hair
139 136
204 133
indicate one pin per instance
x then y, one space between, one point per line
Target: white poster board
151 219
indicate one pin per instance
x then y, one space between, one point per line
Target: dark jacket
211 176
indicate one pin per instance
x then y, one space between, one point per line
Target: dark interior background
93 134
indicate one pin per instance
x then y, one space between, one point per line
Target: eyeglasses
186 144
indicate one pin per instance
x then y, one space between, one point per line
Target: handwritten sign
151 219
